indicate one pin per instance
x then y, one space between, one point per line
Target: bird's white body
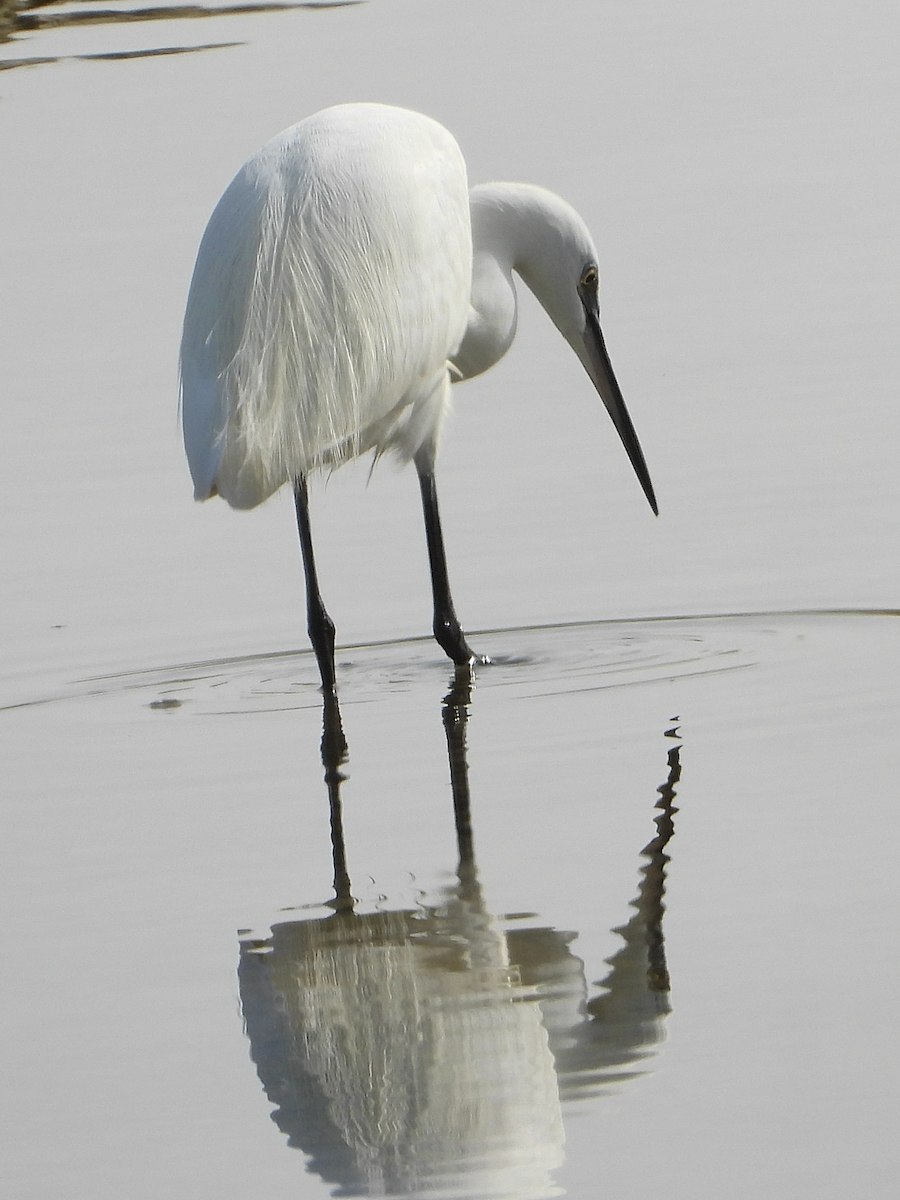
345 278
331 285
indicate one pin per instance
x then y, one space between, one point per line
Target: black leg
446 627
318 622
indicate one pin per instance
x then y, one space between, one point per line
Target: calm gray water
664 955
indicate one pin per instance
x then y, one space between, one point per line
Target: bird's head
557 259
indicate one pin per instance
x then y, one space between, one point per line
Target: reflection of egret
403 1054
345 276
426 1051
402 1050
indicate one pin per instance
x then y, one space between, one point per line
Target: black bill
599 368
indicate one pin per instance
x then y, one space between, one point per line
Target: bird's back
331 286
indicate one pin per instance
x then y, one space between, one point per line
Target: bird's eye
589 278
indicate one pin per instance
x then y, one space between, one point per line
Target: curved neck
521 228
493 310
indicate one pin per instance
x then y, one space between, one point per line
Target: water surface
661 955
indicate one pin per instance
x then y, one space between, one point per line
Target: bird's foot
451 640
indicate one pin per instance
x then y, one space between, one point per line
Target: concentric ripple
534 661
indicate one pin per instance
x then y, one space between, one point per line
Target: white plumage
331 283
346 275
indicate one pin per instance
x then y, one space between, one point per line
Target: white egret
345 278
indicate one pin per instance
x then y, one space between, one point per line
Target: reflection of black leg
343 900
334 744
456 716
319 624
446 627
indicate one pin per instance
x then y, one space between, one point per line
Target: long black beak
598 366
